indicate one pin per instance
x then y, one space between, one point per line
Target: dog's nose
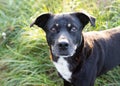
63 45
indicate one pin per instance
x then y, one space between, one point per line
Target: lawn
24 54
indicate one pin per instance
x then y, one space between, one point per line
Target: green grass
24 54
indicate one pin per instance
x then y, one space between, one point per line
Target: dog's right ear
42 20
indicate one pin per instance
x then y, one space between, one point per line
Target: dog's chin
64 56
67 55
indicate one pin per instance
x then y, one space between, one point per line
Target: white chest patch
62 67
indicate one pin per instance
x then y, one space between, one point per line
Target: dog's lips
65 53
61 53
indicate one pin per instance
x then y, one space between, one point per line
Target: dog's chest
62 67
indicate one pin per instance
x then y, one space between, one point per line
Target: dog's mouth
64 52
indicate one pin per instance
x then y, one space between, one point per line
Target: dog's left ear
85 18
42 20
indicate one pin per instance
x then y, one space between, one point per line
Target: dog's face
63 34
63 31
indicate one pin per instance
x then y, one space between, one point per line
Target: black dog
79 57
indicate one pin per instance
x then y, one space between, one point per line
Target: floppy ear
85 18
41 20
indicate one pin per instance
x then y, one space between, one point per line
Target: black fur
96 53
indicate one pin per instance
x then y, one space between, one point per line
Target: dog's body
79 57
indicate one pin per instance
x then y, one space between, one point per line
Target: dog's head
64 31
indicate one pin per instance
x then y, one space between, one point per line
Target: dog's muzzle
63 47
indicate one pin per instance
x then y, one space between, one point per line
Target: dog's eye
73 29
53 30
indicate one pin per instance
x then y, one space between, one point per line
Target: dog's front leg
66 83
86 75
